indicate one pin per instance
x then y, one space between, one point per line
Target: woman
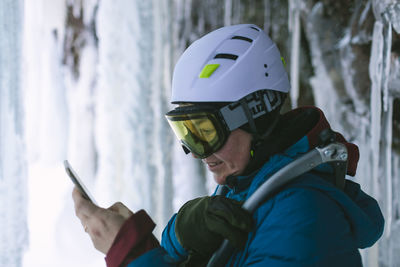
229 87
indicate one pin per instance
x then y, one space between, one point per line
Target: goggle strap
234 118
249 116
257 104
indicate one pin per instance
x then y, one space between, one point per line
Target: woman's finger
83 208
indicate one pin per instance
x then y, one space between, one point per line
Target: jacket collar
298 132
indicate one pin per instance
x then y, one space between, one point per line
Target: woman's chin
220 179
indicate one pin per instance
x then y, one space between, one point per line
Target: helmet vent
254 28
226 56
243 38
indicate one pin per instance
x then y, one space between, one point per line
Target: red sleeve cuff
133 239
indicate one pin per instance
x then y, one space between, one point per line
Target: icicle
387 130
386 153
294 29
228 12
387 49
375 73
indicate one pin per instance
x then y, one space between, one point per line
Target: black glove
202 223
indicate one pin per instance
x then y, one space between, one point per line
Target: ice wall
387 14
135 148
339 56
59 125
13 176
99 75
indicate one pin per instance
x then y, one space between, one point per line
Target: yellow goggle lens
202 128
196 131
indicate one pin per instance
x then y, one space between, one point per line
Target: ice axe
333 153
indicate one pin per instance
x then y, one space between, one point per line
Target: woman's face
232 158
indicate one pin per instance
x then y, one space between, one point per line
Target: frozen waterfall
89 81
13 168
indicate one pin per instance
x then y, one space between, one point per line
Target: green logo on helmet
208 70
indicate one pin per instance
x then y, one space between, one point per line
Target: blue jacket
308 223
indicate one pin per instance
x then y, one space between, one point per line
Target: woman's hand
202 223
102 225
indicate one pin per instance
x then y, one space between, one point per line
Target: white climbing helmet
227 65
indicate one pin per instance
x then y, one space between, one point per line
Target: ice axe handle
222 255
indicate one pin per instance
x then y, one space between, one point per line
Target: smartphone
75 179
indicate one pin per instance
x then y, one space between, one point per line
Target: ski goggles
201 130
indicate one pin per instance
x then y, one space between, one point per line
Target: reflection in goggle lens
197 132
202 128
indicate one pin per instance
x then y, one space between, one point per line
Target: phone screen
75 179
